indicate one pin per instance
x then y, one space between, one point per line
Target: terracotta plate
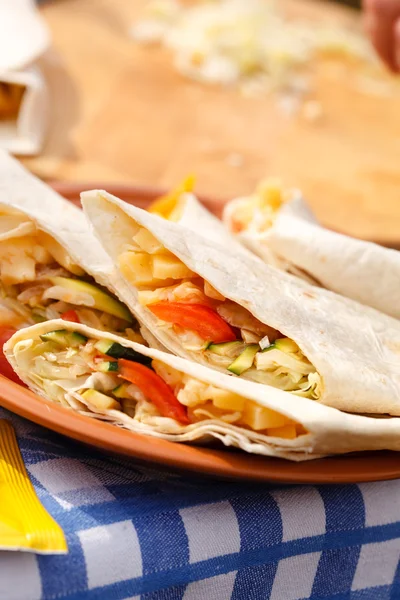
221 463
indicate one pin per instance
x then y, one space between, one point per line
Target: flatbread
66 223
355 349
328 431
296 242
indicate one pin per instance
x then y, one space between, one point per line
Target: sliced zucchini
286 345
64 338
245 360
227 348
101 300
121 391
38 318
101 401
116 350
107 366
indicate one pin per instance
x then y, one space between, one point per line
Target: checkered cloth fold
134 532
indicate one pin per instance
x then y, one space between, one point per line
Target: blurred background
145 93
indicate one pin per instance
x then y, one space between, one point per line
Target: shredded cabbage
65 374
245 41
271 359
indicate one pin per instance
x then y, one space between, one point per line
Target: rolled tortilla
287 233
50 262
347 354
59 361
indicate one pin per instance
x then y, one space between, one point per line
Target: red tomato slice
155 388
205 321
5 368
71 315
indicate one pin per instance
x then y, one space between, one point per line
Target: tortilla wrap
361 270
51 213
353 349
45 238
321 430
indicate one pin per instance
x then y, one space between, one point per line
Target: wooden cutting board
120 113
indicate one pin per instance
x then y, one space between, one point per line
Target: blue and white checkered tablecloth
137 533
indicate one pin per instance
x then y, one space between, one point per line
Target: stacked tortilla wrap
279 227
259 359
302 339
58 361
50 263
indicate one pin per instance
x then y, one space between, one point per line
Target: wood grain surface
120 113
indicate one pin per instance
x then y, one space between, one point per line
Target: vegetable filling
103 376
257 213
226 335
39 281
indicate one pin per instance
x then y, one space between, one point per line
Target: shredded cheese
244 41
